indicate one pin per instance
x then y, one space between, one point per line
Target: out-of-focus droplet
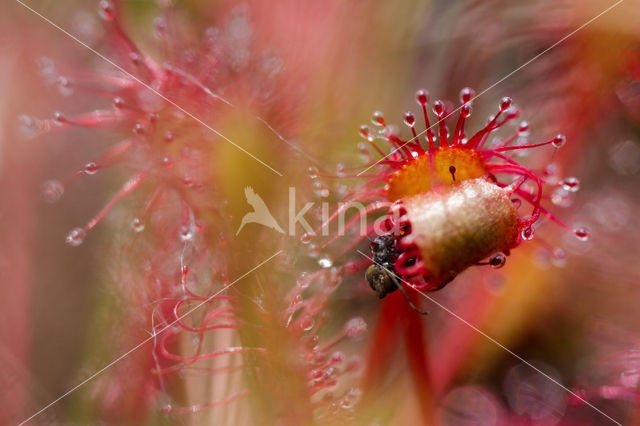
469 406
138 129
531 394
312 172
65 86
350 400
307 322
304 280
571 184
559 257
76 237
186 234
624 157
561 197
137 225
52 190
497 260
325 261
355 327
582 233
559 141
90 168
320 189
378 118
527 233
30 127
118 102
366 132
106 10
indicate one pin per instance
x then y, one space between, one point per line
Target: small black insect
381 275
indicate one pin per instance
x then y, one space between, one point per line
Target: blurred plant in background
265 328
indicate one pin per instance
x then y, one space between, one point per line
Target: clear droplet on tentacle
76 237
137 225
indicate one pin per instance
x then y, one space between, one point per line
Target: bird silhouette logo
260 213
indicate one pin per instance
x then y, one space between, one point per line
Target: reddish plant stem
396 320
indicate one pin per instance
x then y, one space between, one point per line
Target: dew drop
497 260
160 26
90 168
65 86
297 300
320 189
30 127
366 132
559 141
582 233
438 108
312 172
551 171
306 238
118 103
76 237
325 261
138 129
168 137
355 327
516 203
166 163
106 10
351 398
137 225
527 233
571 184
505 103
465 110
422 97
313 251
378 118
307 323
185 233
523 128
52 190
466 94
561 197
59 118
409 119
135 58
336 358
47 68
559 257
304 280
166 410
341 169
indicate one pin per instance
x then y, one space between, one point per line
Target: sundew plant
204 223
